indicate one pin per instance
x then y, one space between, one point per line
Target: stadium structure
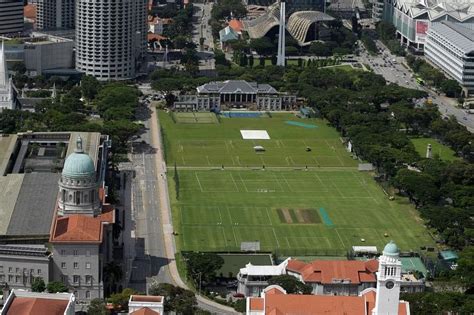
304 26
413 18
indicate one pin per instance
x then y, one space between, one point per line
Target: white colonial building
229 94
385 300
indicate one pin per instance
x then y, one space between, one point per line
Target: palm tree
113 274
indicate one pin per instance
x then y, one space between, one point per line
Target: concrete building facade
413 19
450 46
55 14
48 53
20 264
11 16
79 266
110 37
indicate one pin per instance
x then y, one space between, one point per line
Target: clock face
389 285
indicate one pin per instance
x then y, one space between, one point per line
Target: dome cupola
79 164
78 186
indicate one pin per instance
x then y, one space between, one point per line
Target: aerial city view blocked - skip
236 157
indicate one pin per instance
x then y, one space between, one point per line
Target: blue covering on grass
300 124
325 216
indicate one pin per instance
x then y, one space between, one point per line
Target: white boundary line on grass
243 182
269 218
276 238
235 184
340 238
286 181
199 182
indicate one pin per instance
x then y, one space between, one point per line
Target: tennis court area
194 118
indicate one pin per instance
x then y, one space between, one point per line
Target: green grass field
214 145
217 210
322 211
444 152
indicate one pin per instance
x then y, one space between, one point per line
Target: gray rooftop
236 86
458 34
7 143
35 205
9 190
23 250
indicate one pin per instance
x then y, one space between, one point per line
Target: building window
88 265
10 278
32 271
76 279
39 271
88 279
10 269
63 265
76 265
88 294
63 252
88 253
18 279
2 278
64 279
75 252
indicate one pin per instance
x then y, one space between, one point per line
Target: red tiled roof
313 304
145 311
236 25
325 271
81 228
276 303
36 306
256 304
146 298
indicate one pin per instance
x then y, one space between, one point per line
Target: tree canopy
291 284
177 299
56 286
203 266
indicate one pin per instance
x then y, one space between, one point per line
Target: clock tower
388 281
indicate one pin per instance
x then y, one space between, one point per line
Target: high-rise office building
11 16
110 37
55 14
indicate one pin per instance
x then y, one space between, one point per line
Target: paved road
152 212
201 28
393 69
151 259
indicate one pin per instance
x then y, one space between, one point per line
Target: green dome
79 164
391 249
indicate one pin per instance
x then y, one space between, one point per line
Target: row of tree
434 76
115 103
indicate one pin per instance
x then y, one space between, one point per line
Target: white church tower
388 281
7 97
